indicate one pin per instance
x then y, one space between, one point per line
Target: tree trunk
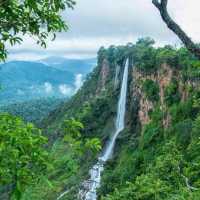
172 25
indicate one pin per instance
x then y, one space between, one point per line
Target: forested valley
130 131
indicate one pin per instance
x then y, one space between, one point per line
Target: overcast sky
95 23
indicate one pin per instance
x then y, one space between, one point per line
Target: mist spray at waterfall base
95 172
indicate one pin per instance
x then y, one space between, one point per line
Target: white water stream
95 172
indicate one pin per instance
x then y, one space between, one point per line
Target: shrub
151 90
167 55
171 93
183 132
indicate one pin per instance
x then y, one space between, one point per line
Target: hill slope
33 110
156 156
52 77
22 81
162 120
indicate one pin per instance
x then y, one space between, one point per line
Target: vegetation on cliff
155 158
161 162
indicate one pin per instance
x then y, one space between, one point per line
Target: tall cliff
155 157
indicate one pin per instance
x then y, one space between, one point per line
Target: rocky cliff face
155 103
162 77
161 118
138 103
103 76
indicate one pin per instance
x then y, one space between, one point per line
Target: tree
172 25
151 90
72 130
22 154
41 19
144 55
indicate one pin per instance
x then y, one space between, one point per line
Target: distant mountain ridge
26 80
71 65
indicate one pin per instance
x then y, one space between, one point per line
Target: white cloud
78 81
65 90
94 23
48 87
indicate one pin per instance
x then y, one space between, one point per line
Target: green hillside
156 156
34 110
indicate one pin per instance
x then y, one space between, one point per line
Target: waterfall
95 172
119 124
91 185
116 76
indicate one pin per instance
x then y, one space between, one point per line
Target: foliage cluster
34 110
65 157
171 93
151 90
37 18
148 58
28 169
22 155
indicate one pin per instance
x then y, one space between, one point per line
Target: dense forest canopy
72 146
160 161
156 160
147 158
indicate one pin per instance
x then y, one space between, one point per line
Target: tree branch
172 25
164 3
156 3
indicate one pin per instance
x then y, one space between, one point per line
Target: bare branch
156 3
172 25
164 3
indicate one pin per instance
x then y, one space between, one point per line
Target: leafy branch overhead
172 25
41 19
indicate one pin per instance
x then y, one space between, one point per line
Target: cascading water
95 172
